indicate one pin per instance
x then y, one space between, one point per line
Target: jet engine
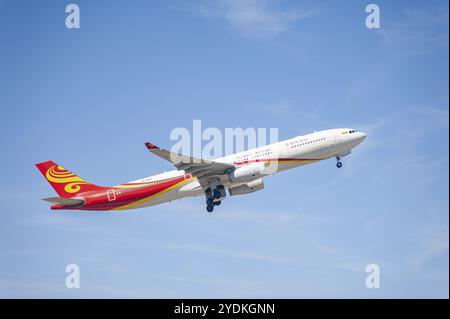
249 187
247 173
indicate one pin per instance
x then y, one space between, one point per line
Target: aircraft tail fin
65 183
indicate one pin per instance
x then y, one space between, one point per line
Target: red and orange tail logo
65 183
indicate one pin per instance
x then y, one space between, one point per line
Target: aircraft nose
361 136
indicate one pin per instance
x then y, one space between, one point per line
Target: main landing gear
214 197
339 163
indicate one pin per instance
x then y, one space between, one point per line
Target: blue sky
89 98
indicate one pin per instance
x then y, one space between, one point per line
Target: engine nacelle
249 187
247 173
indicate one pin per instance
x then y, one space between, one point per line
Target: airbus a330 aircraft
240 173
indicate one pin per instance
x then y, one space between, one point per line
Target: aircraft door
337 139
111 193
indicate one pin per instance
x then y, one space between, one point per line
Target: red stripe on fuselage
288 159
98 200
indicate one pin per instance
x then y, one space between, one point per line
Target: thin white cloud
431 245
417 30
252 18
228 253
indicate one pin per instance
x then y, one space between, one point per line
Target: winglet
150 146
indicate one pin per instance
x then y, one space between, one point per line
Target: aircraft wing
200 168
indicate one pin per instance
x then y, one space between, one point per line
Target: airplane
240 173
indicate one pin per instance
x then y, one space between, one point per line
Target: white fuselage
282 156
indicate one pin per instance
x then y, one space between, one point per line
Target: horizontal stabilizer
64 201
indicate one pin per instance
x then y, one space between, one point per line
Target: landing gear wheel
339 164
218 203
210 208
209 202
216 194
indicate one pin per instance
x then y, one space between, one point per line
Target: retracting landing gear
339 163
214 197
341 155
